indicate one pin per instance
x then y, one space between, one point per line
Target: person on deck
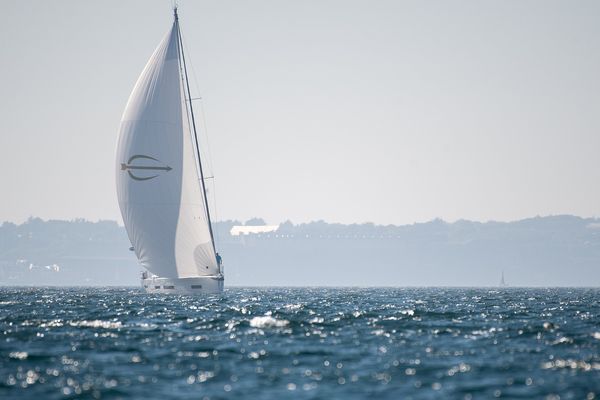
219 260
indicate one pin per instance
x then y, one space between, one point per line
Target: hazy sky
349 111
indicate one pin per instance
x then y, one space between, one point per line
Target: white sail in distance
160 192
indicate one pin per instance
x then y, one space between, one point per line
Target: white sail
160 194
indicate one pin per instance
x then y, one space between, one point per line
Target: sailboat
160 181
502 281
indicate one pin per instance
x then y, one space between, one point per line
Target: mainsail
160 192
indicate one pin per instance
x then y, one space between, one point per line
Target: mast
189 101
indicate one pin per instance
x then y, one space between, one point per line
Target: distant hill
541 251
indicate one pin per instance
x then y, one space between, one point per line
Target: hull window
196 286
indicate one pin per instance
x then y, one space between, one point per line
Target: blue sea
301 343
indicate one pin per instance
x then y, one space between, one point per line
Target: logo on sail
143 168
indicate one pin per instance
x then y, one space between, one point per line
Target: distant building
238 230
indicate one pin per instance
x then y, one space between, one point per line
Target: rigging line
214 195
210 229
187 111
181 73
206 137
205 129
202 113
187 116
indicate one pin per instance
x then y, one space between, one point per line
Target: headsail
159 190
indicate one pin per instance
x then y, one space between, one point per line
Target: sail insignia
134 170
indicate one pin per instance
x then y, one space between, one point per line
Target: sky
391 112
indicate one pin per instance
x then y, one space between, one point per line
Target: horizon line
243 223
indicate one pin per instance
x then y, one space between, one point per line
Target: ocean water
306 343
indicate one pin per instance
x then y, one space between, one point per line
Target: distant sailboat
160 182
502 281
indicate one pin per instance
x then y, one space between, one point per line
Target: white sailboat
502 281
160 181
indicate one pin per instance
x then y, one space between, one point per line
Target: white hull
200 284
